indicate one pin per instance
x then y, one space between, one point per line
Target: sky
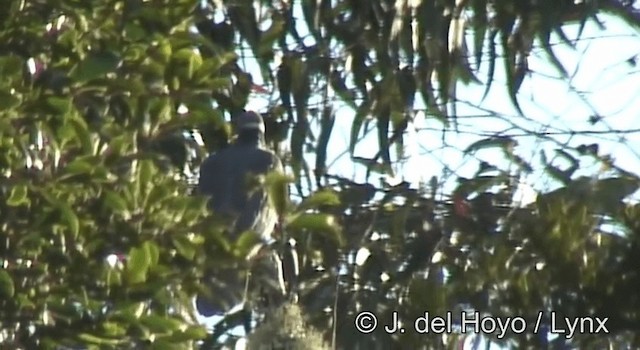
602 80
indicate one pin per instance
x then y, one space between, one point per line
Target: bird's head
249 126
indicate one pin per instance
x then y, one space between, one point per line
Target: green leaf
71 219
134 32
116 202
319 199
162 51
134 53
159 194
129 311
246 243
82 133
191 333
18 196
10 65
59 105
137 264
277 183
114 329
146 171
320 223
184 246
79 166
160 324
161 343
95 65
92 339
7 287
152 251
226 58
187 61
8 100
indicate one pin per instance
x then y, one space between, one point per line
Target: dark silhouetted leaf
326 127
492 142
356 125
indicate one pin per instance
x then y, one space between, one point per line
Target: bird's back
225 177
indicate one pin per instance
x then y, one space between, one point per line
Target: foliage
89 94
95 101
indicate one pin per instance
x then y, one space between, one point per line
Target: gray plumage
226 177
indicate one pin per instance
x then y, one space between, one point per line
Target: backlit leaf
138 262
319 199
152 251
277 183
318 223
18 196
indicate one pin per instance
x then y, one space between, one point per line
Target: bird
225 178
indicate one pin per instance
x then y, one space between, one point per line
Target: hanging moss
286 329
